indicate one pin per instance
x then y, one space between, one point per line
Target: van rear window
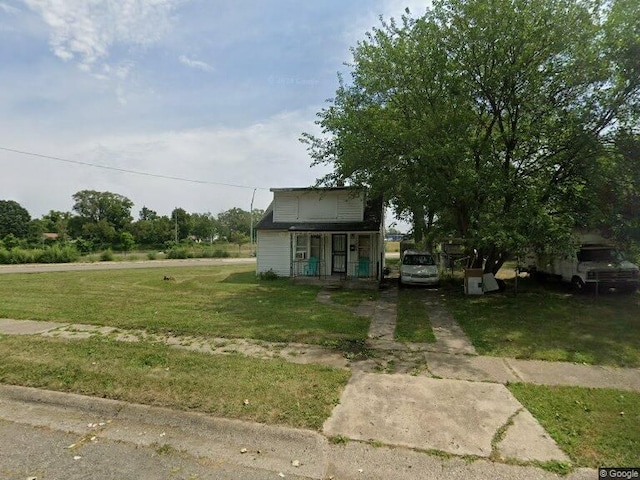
418 260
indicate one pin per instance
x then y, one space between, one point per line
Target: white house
334 233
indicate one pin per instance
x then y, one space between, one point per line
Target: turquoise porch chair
363 267
311 269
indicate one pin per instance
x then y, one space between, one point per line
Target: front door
339 253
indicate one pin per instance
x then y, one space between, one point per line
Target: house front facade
324 233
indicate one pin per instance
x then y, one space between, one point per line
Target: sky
216 92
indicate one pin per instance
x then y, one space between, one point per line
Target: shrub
179 253
84 246
10 241
57 254
17 255
107 256
268 275
152 255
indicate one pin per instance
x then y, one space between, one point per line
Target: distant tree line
103 220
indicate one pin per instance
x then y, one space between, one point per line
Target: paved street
74 267
56 436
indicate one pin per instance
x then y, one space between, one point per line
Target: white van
596 263
418 268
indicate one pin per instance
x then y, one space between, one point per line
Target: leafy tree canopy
112 208
487 120
14 219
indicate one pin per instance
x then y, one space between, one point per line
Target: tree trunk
419 226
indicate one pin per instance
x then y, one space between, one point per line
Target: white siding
313 206
318 208
285 207
274 252
350 208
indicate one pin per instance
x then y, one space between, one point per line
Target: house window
301 247
364 246
315 246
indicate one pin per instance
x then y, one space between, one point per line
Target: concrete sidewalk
51 435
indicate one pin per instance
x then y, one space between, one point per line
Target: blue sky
216 91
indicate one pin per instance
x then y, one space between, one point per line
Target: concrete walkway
449 415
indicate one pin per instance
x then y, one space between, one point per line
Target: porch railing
363 268
310 267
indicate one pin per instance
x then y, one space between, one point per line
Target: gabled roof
372 220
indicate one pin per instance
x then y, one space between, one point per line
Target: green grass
549 323
391 247
595 427
224 301
413 317
155 374
353 298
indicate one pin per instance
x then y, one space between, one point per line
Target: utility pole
175 214
253 253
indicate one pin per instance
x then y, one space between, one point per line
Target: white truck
596 265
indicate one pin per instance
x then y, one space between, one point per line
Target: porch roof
371 223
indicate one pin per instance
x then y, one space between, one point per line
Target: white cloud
8 8
87 30
197 64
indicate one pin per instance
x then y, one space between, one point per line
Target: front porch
336 257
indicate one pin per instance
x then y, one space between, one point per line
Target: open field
220 301
546 322
155 374
596 427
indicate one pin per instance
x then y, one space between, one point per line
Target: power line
125 170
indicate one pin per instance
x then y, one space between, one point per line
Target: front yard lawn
595 427
278 392
546 322
225 301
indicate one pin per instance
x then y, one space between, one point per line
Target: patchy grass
413 317
353 298
155 374
546 322
595 427
225 301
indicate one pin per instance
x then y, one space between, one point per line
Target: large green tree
95 206
14 219
181 223
486 119
204 226
101 216
234 222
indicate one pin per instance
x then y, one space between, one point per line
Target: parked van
418 268
597 263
